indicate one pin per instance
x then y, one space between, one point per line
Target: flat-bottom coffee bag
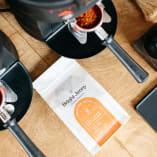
81 103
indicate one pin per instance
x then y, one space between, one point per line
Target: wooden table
136 139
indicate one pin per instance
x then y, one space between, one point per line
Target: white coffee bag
81 103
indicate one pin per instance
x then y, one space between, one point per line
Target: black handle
135 69
24 140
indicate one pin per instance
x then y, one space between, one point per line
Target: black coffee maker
50 22
41 18
16 93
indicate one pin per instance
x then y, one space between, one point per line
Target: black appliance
42 18
15 77
51 11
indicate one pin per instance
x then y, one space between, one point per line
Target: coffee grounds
89 19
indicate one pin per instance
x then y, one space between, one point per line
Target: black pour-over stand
58 37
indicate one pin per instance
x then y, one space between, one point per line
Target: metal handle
24 140
135 69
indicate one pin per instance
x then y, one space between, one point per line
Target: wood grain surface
136 139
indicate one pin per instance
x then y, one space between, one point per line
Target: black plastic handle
24 140
135 69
